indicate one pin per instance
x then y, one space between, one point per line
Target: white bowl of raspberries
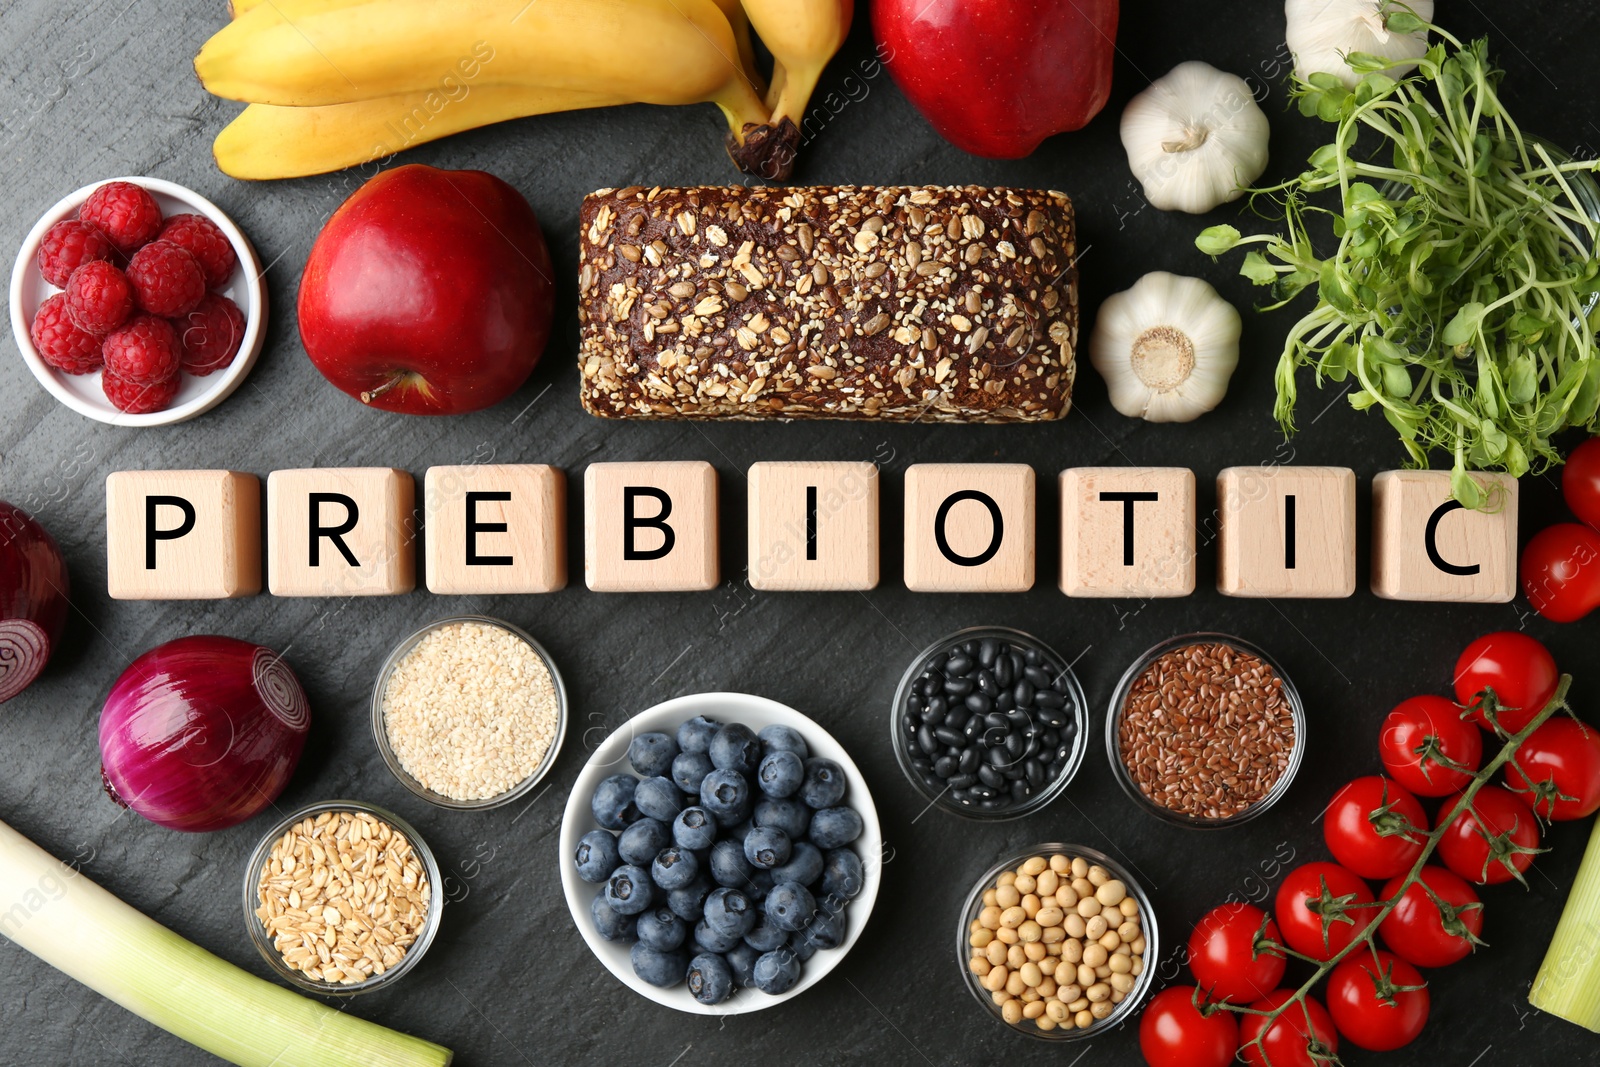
137 302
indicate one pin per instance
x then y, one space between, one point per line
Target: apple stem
369 395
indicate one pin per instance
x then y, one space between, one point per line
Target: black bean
963 781
1035 772
1019 719
982 792
1055 718
1015 772
970 648
975 726
988 648
992 805
958 687
979 704
1049 739
996 721
945 767
908 722
998 757
1018 663
1038 676
1070 730
959 796
971 760
986 683
991 777
914 702
957 717
1048 698
1033 657
930 686
947 735
1015 745
1021 791
926 741
932 781
957 667
1003 674
1022 693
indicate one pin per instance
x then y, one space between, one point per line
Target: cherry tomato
1519 669
1418 932
1378 1000
1223 956
1561 571
1580 482
1174 1033
1562 761
1303 1036
1421 732
1477 843
1374 827
1324 886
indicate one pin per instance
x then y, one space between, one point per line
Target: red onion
33 599
201 733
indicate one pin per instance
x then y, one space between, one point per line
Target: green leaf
1406 22
1463 326
1522 380
1215 240
1396 380
1467 489
1257 269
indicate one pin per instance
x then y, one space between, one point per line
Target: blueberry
695 734
766 937
710 978
689 770
726 794
758 886
651 754
712 940
640 842
776 738
835 827
662 930
730 912
728 865
689 903
804 866
610 923
664 969
790 906
612 802
826 931
674 868
788 814
629 890
842 875
597 855
777 972
766 847
742 961
694 828
802 948
781 774
735 748
658 798
824 785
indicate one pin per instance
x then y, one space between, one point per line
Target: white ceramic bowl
612 758
82 392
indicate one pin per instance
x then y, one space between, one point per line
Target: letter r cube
341 532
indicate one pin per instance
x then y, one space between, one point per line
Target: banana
802 36
268 141
739 23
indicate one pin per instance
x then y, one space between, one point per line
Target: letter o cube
970 528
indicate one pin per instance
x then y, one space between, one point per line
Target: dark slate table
105 88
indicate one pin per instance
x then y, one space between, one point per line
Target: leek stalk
59 915
1568 983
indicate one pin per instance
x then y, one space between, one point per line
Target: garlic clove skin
1320 33
1195 138
1166 348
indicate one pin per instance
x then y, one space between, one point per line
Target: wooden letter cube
813 526
341 532
650 527
1127 531
970 527
183 535
1425 546
1286 531
495 528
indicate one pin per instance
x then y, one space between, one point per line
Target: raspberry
99 298
205 241
210 334
166 280
140 399
60 343
68 245
123 212
144 352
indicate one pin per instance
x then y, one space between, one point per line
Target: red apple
428 292
996 77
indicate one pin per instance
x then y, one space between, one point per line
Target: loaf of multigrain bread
953 304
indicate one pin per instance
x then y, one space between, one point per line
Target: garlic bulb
1322 32
1195 138
1166 348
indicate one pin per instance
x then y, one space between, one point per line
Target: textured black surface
90 91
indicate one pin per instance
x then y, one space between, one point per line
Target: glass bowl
1147 920
381 734
1119 698
263 941
907 751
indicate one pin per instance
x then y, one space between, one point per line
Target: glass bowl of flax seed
1206 731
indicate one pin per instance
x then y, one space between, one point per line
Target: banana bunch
335 83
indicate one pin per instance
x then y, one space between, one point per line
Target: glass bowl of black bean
989 723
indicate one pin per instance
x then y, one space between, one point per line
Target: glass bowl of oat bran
1206 731
469 712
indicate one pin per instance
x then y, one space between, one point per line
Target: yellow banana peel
802 36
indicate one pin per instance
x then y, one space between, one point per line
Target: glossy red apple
996 77
428 292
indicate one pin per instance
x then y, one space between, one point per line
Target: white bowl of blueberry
721 853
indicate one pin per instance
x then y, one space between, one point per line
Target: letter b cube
650 527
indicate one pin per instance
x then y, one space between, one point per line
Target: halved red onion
33 598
